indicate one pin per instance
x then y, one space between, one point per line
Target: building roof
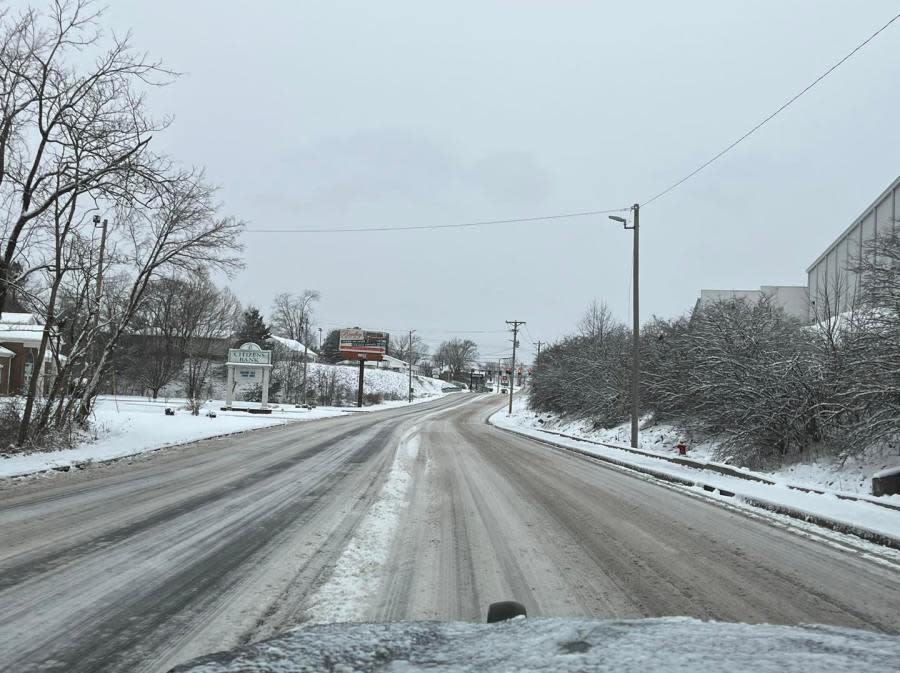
391 358
18 319
837 241
293 345
6 353
20 328
18 333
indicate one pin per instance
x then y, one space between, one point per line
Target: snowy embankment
378 381
877 519
126 426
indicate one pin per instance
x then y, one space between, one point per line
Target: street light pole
411 332
99 291
636 323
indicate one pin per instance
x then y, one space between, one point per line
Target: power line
422 227
587 213
771 116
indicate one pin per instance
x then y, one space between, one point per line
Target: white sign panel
248 357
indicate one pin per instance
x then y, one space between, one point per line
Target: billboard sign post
362 345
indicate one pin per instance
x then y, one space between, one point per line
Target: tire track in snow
359 571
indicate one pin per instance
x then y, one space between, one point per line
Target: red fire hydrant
682 448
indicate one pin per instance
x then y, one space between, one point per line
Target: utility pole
635 323
320 341
305 360
512 381
303 333
411 332
539 344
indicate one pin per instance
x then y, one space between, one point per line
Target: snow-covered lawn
126 426
861 515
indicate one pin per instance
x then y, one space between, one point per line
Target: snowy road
139 567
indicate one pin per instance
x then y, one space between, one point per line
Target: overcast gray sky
357 114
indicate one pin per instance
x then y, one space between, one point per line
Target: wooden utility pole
362 373
512 372
539 344
411 332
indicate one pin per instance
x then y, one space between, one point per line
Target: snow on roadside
132 425
853 475
861 515
360 568
381 381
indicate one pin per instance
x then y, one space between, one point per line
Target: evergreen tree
330 347
253 328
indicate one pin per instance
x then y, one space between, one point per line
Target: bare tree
870 391
154 344
291 315
400 349
173 227
208 316
66 130
183 232
458 355
597 321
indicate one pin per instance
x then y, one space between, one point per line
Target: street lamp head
618 219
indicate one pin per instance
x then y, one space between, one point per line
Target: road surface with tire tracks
139 565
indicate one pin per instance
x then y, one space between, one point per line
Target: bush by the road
764 383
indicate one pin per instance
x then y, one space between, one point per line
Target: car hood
560 645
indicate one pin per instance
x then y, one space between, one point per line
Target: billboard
360 344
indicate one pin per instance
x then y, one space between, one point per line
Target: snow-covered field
126 426
861 515
383 381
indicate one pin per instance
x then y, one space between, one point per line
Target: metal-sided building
833 284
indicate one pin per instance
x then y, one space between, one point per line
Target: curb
727 470
778 508
80 465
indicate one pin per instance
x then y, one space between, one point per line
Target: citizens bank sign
249 354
